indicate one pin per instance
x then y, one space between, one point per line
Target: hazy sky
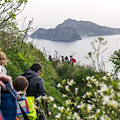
50 13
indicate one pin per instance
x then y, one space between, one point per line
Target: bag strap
23 113
12 93
10 90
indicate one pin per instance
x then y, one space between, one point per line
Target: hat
3 70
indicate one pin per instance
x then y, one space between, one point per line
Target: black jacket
36 85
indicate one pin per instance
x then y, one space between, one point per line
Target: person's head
49 56
70 56
66 57
36 67
2 58
20 84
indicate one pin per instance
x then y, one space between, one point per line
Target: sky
49 13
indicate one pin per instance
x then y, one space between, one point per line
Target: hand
4 88
5 78
18 95
49 114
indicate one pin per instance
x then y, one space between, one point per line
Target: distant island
73 30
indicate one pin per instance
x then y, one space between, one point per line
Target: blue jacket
8 105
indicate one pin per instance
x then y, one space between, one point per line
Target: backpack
24 104
74 60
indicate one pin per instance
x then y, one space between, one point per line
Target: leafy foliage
115 59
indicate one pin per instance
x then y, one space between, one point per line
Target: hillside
73 30
68 86
64 34
87 28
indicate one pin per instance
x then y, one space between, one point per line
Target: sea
79 48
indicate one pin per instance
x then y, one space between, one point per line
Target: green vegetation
74 92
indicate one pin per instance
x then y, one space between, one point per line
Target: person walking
62 59
8 105
67 60
36 86
71 60
21 84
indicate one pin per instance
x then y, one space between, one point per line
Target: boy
20 85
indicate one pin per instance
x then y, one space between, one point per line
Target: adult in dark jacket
36 86
8 102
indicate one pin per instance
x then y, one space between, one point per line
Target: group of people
26 88
67 60
70 60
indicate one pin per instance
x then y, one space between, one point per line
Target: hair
2 55
36 67
66 57
20 83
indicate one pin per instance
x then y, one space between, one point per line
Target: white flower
64 95
87 78
76 91
71 82
44 97
104 88
89 85
59 85
88 94
68 109
68 102
38 98
106 99
75 114
61 108
54 105
51 98
82 105
58 115
78 106
97 83
98 110
104 78
89 107
67 88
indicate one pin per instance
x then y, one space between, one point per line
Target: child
21 84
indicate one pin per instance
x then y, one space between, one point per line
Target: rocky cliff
74 30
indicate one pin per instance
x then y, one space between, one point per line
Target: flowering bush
101 100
